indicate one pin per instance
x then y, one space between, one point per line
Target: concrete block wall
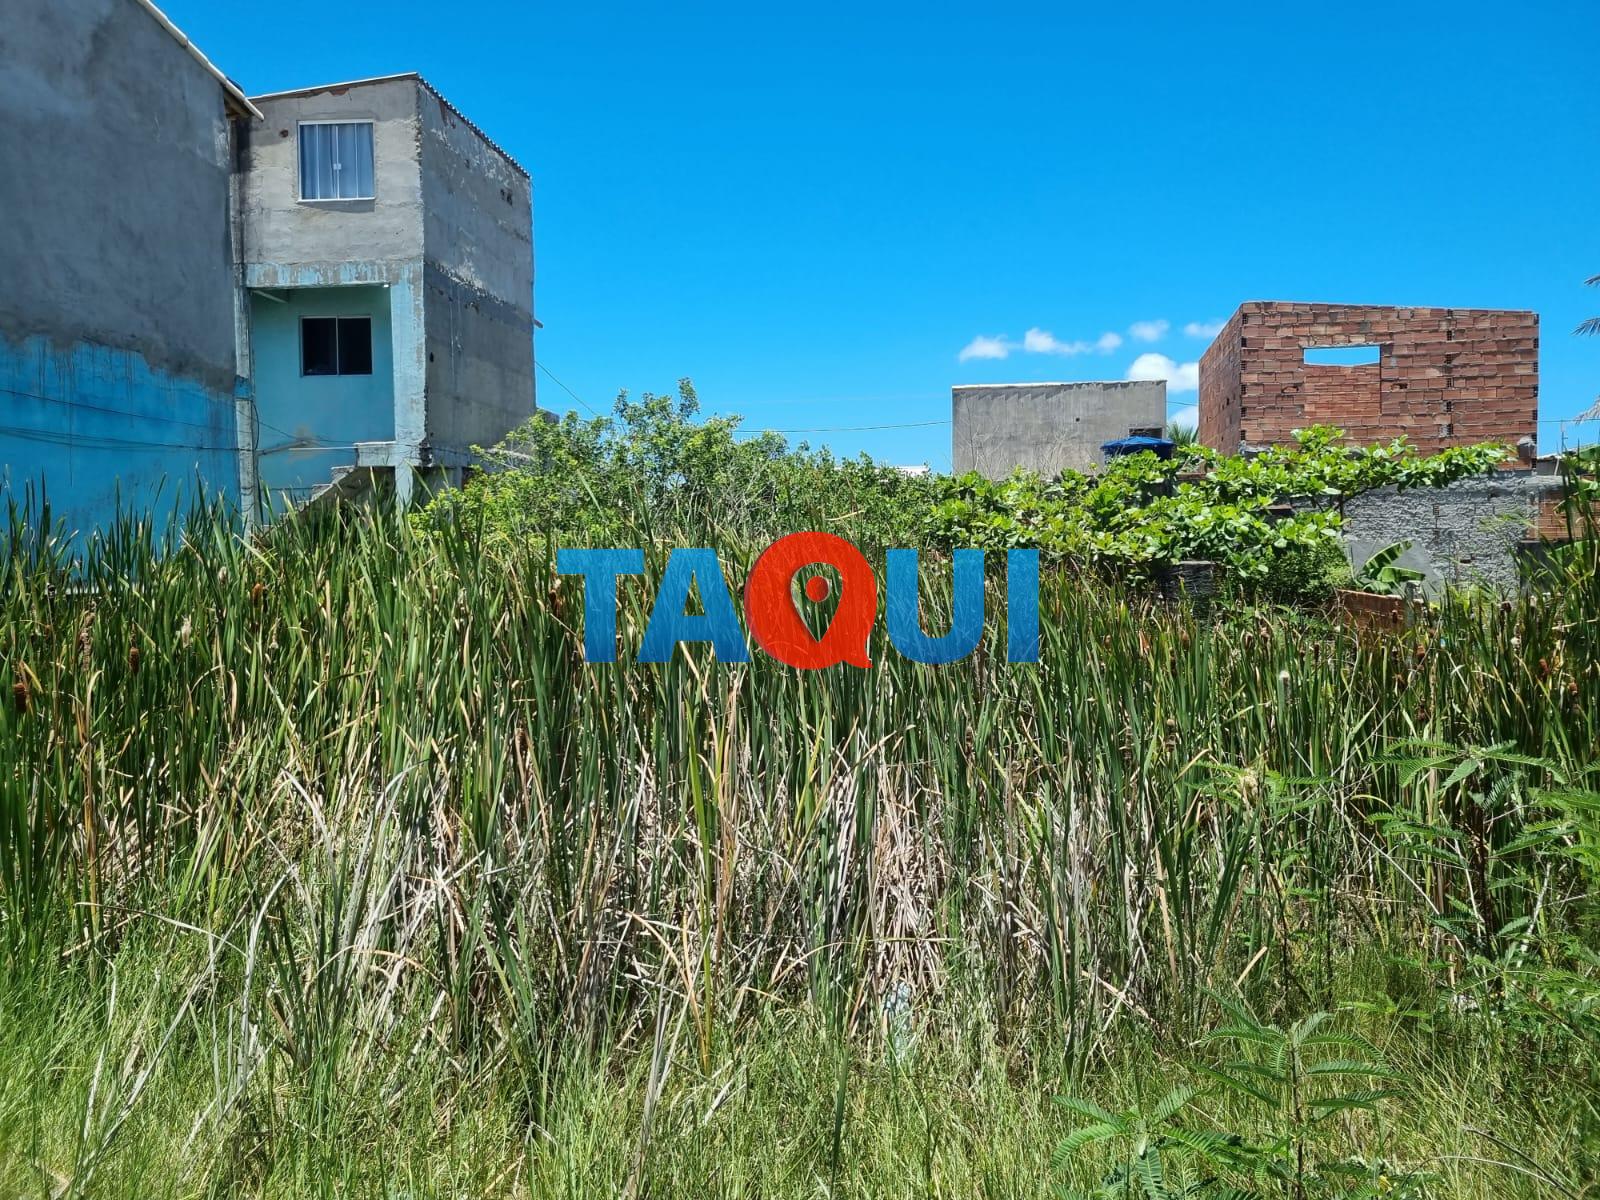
1444 376
449 235
1463 534
1047 427
478 282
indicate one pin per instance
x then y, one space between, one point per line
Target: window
336 160
336 346
1342 356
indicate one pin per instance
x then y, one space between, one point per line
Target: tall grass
396 847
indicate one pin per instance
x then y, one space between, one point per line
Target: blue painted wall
95 425
308 424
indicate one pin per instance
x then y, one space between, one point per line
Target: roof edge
421 82
334 87
240 102
969 387
1257 305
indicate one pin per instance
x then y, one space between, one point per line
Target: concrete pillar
244 385
409 343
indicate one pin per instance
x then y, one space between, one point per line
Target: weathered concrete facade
441 257
1463 534
478 281
118 321
1047 427
1444 376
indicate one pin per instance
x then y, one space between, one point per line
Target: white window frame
299 177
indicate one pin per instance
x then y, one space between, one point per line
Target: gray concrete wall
1047 427
289 242
114 188
478 298
117 353
1462 534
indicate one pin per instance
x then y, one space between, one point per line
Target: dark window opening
355 345
336 346
319 353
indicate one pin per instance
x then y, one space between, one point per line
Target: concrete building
1047 427
1440 376
120 318
388 246
210 296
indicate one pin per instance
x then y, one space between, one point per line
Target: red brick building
1442 376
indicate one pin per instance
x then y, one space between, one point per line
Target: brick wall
1444 376
1219 388
1555 522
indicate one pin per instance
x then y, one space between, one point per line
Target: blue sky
813 210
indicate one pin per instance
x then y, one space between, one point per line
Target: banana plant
1383 574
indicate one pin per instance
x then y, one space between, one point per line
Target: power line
565 388
847 428
100 408
78 441
759 432
111 442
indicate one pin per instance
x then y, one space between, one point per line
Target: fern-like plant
1297 1080
1156 1157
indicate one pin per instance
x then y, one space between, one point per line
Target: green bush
653 470
1140 511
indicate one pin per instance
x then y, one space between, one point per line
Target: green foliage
1182 435
1139 510
1288 1088
651 470
1580 503
1296 1081
327 866
1383 574
1154 1156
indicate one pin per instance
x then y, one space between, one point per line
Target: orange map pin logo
777 625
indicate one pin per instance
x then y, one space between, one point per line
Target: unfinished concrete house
120 319
1048 427
388 249
1440 376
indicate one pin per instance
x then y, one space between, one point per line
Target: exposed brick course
1444 377
1557 523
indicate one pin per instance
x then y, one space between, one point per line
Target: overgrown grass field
328 867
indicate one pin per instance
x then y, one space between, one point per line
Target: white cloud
1035 341
1180 377
1188 415
985 347
1042 341
1184 376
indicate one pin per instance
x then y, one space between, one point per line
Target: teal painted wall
308 424
97 427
